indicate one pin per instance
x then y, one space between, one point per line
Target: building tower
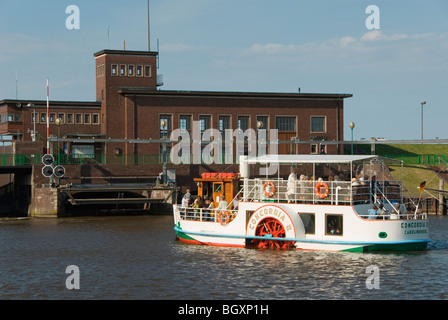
122 69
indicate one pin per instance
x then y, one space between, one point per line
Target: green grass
413 172
413 175
407 149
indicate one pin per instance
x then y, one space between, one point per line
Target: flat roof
52 103
125 53
233 94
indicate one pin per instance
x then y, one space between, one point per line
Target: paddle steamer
314 202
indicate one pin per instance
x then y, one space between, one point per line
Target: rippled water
139 258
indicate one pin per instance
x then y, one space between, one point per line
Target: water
139 258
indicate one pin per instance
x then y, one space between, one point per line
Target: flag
422 186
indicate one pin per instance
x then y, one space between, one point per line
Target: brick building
130 105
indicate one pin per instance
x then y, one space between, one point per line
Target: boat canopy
307 158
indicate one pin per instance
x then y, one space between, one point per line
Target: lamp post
58 122
31 105
261 139
163 124
352 126
421 149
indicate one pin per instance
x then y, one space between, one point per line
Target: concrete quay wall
48 201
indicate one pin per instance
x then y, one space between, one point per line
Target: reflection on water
139 258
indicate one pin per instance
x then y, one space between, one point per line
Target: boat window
308 222
218 187
248 215
333 224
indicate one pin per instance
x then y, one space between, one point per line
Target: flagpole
48 121
422 187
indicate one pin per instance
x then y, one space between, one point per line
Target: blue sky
247 45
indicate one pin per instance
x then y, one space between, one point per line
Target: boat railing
210 215
395 216
316 192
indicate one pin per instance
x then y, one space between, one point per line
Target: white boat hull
357 234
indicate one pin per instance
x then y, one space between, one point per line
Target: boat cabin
321 179
215 185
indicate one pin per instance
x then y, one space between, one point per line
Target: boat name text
269 212
417 227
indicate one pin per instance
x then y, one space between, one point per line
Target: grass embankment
413 173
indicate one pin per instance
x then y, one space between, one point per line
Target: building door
286 126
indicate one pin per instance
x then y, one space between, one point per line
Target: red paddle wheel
271 228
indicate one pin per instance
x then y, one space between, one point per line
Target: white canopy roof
307 158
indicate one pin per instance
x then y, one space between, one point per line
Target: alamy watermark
73 21
212 146
373 280
373 20
73 280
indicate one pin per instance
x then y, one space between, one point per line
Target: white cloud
181 47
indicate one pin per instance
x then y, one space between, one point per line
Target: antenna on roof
149 40
158 63
17 90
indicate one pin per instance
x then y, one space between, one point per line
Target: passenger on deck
302 187
206 211
383 212
197 206
291 186
223 204
373 213
211 208
235 202
374 185
186 199
198 203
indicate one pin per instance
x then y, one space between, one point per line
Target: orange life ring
269 194
317 190
226 220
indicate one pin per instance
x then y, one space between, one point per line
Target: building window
318 124
314 148
139 71
35 117
78 118
114 70
69 118
86 118
122 70
52 117
285 124
243 122
223 123
333 225
264 122
100 71
205 122
185 122
131 70
62 117
165 131
12 117
43 117
147 71
96 118
308 220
